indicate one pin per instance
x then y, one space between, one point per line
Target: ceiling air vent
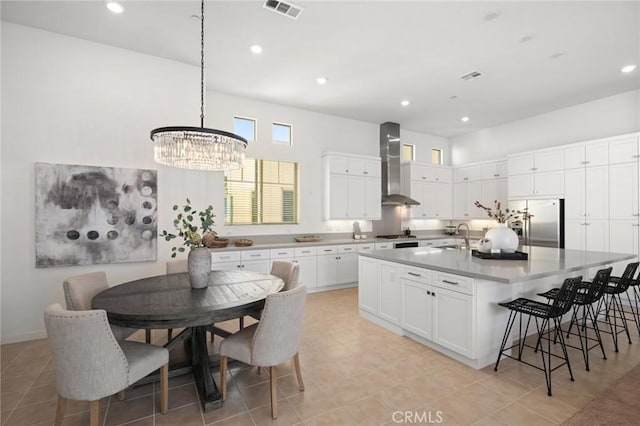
471 75
286 9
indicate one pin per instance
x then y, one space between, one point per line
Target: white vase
503 238
199 264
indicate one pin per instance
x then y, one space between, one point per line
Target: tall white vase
199 264
503 237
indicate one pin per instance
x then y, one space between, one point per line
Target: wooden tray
243 243
517 255
307 239
219 243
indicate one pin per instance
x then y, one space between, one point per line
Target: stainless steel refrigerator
545 224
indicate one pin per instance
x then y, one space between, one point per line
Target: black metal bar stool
613 305
588 294
633 294
547 312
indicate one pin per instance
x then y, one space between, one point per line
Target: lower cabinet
434 306
337 265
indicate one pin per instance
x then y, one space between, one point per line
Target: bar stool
588 294
611 302
633 295
547 312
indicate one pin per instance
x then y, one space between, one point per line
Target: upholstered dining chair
177 266
287 271
91 364
80 289
272 341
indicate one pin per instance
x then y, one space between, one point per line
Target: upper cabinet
537 174
624 149
431 187
352 187
586 155
467 174
536 162
426 173
494 170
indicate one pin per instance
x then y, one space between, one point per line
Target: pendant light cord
202 64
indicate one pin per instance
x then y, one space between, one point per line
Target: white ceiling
376 53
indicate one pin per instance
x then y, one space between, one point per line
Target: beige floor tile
258 395
32 414
312 402
178 396
129 410
17 383
37 394
243 419
550 408
471 404
233 406
189 415
286 415
288 385
401 398
369 411
9 401
337 417
514 414
504 387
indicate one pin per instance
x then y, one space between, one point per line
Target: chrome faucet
466 238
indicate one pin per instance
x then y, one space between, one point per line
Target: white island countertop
542 262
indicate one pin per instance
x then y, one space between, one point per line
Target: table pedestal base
201 368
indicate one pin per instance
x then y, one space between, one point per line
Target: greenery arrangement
501 216
194 235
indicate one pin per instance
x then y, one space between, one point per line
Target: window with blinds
261 192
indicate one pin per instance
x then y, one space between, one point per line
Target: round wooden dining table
168 301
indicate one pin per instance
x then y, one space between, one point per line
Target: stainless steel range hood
390 154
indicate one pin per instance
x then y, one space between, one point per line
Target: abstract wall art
88 215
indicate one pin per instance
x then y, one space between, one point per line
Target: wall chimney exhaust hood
390 155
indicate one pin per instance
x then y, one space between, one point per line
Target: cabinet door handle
282 252
636 214
257 255
635 156
466 178
428 293
414 274
534 168
327 250
346 171
294 261
433 293
450 282
365 173
635 224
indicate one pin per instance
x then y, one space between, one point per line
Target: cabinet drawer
417 274
366 247
305 251
255 255
327 250
455 282
347 248
282 253
227 256
383 246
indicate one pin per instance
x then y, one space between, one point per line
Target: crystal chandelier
198 148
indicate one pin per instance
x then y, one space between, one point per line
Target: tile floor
355 374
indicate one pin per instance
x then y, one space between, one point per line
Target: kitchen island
448 299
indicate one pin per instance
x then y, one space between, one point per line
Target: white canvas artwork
88 215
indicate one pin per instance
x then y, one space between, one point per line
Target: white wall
614 115
424 144
66 100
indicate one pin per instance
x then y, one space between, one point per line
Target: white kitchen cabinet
587 193
623 191
250 260
383 246
368 285
624 236
494 170
586 155
439 313
467 174
308 271
494 190
352 187
389 292
537 185
426 172
586 234
539 161
337 265
453 315
465 194
624 149
417 310
434 198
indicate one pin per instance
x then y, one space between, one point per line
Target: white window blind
262 192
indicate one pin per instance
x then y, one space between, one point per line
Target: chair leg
223 376
241 323
164 388
169 334
62 405
273 379
618 300
596 329
147 335
505 338
296 364
259 371
94 413
120 395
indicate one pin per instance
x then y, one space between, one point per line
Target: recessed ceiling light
527 38
464 119
114 6
405 103
321 80
557 55
256 48
628 68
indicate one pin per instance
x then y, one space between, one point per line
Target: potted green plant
195 229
